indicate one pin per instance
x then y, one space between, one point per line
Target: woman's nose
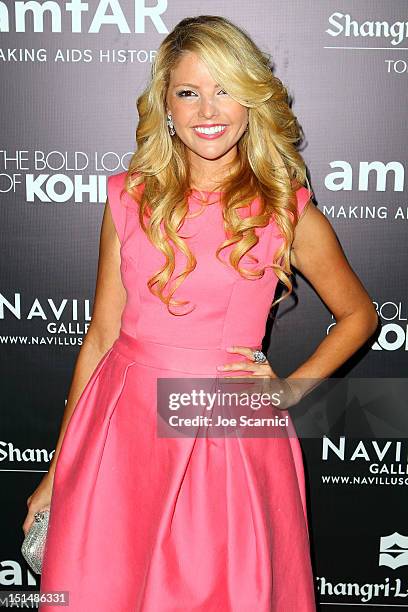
208 106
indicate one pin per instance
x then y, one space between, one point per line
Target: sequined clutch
34 541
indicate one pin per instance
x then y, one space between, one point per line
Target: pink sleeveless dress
142 523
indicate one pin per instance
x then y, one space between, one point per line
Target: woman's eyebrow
192 85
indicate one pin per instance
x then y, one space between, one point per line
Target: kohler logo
69 16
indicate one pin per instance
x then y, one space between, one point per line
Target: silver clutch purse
34 541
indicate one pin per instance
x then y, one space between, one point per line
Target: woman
195 236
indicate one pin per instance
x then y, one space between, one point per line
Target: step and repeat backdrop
70 74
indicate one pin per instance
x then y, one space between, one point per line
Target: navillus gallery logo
393 550
353 462
78 17
52 321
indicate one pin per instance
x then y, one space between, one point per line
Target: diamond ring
259 357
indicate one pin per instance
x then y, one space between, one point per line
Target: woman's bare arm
109 301
318 255
110 297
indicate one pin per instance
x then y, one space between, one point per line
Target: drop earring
170 125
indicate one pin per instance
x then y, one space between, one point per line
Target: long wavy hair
267 165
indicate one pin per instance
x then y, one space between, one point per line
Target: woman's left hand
264 373
257 369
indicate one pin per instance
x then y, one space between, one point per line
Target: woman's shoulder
118 179
116 185
303 196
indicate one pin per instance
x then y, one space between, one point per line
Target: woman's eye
184 91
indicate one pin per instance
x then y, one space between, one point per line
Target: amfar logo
343 24
342 179
12 573
33 12
393 550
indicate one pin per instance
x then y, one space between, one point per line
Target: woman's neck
207 175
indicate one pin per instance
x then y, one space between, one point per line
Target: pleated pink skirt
142 523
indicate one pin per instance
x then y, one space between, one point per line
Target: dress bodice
229 309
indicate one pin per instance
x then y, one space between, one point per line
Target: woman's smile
210 132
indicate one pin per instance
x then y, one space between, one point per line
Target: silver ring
259 357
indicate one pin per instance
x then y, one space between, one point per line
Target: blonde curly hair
267 165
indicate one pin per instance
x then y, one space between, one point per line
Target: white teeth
210 130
